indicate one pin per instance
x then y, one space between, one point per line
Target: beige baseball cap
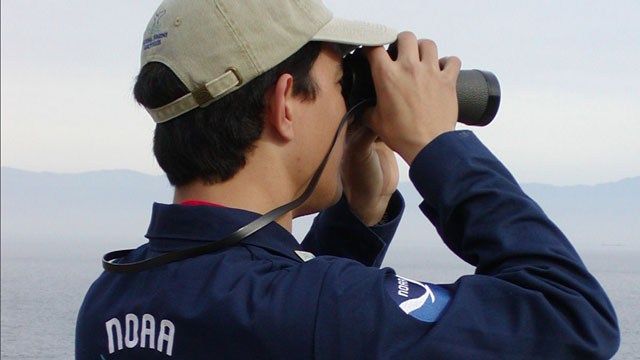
217 46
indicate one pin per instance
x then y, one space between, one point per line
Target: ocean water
42 291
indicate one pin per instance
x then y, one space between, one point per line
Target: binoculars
478 91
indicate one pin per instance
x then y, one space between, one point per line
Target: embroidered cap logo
156 21
155 39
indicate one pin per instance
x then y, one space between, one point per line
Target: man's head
211 143
208 63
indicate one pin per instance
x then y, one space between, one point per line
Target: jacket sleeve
336 231
526 270
531 296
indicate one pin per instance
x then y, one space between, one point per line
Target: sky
569 72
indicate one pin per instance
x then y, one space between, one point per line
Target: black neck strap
234 238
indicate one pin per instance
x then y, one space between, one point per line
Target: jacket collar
174 227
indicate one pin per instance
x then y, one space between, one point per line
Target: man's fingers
451 65
361 140
429 53
377 56
408 47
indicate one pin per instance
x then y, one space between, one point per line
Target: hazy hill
605 215
97 211
93 210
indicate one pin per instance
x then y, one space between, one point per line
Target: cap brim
351 32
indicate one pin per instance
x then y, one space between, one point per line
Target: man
248 100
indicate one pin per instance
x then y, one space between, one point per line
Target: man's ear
279 101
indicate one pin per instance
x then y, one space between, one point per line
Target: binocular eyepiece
478 91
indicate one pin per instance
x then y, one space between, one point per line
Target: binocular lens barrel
478 91
478 97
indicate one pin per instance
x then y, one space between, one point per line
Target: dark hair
211 143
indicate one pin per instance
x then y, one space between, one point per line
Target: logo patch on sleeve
423 301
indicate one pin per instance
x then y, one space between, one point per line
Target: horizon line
400 182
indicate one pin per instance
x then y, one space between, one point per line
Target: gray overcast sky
569 70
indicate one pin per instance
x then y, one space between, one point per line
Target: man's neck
256 188
222 195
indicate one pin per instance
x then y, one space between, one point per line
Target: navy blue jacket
267 298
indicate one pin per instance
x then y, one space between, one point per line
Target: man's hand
416 102
416 94
369 175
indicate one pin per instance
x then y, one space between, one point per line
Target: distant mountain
101 210
601 215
